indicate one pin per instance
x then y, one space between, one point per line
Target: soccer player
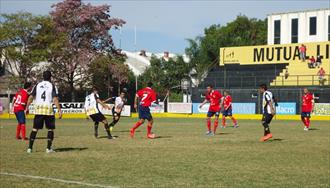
146 97
214 97
307 108
227 111
92 103
18 106
268 111
116 109
44 95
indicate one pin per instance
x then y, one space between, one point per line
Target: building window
277 31
294 30
312 26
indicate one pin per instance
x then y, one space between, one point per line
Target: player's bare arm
57 104
135 101
107 100
204 102
103 104
272 110
30 100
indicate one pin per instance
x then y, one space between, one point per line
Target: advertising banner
181 108
238 108
286 108
322 109
287 53
157 108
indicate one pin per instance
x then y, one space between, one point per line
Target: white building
299 27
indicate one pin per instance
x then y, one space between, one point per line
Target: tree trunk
72 95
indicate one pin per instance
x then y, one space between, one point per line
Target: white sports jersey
119 104
91 105
267 97
43 94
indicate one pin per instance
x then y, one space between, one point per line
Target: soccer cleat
209 133
29 150
19 138
306 129
236 126
25 138
132 132
151 136
223 126
267 137
50 151
110 137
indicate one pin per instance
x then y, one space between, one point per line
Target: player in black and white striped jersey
44 95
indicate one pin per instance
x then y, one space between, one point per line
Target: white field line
56 179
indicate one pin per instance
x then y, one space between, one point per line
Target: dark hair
27 85
263 86
150 84
47 75
226 91
94 88
210 86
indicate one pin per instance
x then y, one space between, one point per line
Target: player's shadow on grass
43 138
276 140
313 129
159 137
223 133
126 131
107 137
69 149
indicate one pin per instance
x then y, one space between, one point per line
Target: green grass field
181 156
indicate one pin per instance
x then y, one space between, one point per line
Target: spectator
286 74
318 61
321 74
302 51
311 63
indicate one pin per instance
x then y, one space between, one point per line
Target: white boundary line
56 179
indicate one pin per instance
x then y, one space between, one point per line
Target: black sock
96 127
106 127
50 138
32 138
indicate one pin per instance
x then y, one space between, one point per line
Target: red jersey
227 102
307 103
214 98
146 96
20 100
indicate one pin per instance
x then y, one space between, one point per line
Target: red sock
308 122
23 129
234 120
216 123
149 129
18 129
223 121
209 124
137 124
304 121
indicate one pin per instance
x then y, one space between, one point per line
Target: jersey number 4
43 95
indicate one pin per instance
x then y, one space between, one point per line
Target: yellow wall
271 54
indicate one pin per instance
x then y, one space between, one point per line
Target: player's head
262 88
306 90
94 89
150 84
226 92
47 75
122 94
209 88
27 85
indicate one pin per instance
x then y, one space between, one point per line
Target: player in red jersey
227 111
146 96
307 108
19 106
214 97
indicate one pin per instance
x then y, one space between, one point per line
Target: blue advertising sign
238 108
286 108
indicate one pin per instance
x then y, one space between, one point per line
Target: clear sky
165 25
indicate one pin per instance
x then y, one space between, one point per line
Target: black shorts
115 114
97 117
305 114
267 118
40 120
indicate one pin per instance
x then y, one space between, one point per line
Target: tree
86 33
21 46
166 74
109 72
204 51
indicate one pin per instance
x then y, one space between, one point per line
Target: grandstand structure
277 64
